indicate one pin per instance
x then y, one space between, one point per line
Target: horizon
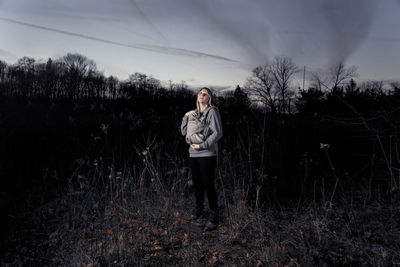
206 43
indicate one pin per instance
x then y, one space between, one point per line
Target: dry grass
128 225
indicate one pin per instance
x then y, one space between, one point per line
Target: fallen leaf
180 255
120 238
212 261
185 239
155 232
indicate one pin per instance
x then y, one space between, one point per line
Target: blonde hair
210 94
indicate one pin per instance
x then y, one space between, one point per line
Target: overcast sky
205 42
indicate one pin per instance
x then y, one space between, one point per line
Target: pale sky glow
205 42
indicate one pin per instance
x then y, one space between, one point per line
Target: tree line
281 140
72 76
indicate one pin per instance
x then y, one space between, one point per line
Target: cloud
235 35
152 48
321 30
143 17
348 30
324 31
251 31
120 13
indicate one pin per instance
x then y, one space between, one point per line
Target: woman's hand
195 146
191 112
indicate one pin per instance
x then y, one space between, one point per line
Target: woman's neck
203 107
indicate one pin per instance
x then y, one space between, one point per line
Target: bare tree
283 69
26 64
334 78
78 63
144 82
373 88
112 86
261 87
3 67
77 68
271 84
340 74
395 87
25 68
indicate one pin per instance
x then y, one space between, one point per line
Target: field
129 225
99 181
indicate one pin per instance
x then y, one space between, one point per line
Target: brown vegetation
127 224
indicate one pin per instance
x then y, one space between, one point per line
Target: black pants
203 176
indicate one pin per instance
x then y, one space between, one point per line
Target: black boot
213 221
197 214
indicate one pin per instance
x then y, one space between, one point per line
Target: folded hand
195 146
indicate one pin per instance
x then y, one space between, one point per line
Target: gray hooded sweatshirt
209 147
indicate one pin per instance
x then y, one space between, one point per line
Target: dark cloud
243 21
349 22
316 29
319 30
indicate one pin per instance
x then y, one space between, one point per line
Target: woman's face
203 97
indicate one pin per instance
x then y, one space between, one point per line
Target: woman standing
203 157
